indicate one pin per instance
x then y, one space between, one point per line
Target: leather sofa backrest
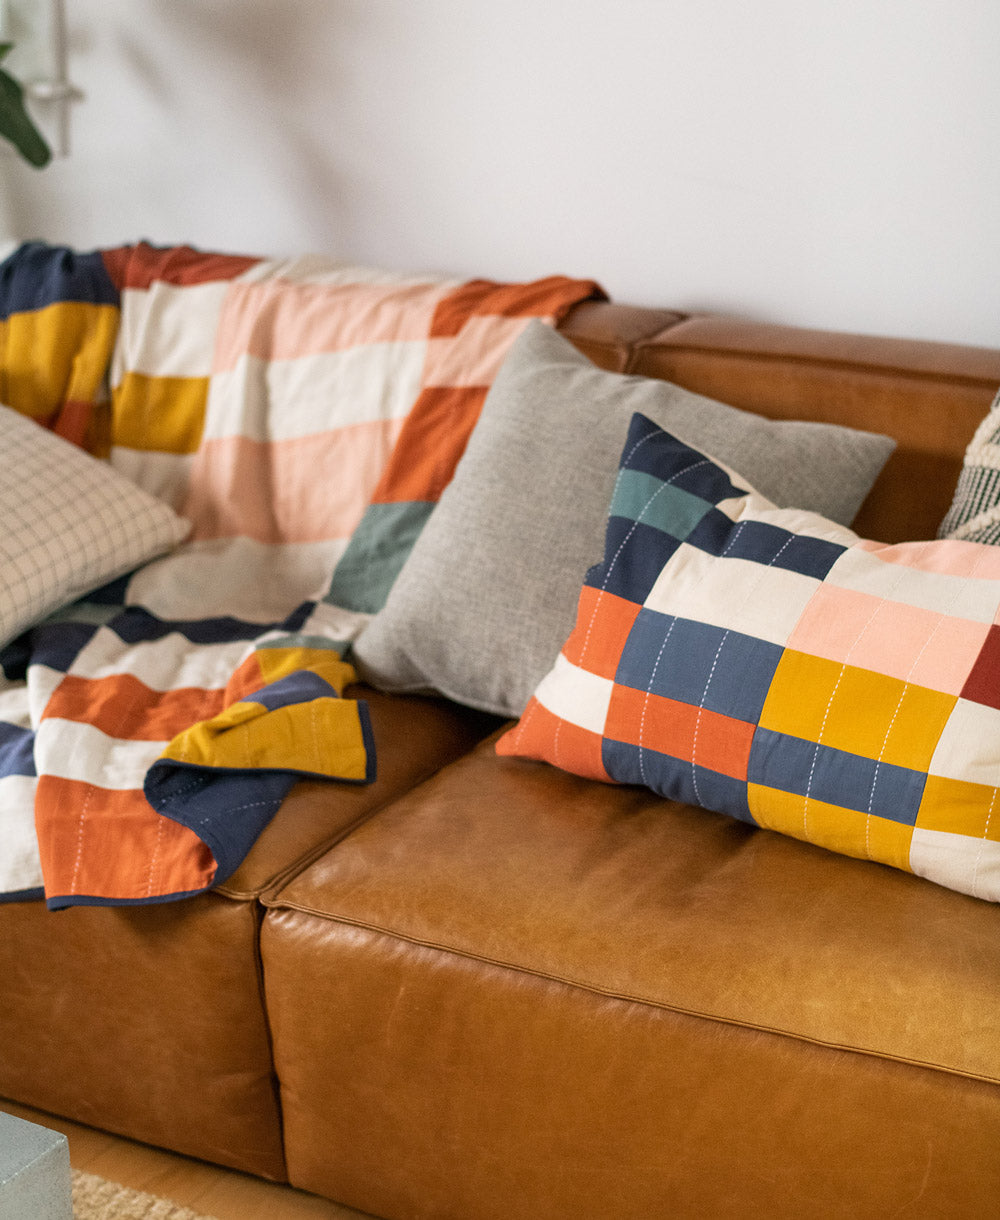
929 396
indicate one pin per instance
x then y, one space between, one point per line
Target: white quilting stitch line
645 702
697 722
556 745
649 688
982 844
79 838
194 785
819 739
942 616
235 809
900 575
154 855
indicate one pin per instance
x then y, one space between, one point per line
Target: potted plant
15 123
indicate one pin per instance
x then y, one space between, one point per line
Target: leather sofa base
519 993
457 1090
147 1021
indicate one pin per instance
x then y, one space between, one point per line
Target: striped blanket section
304 416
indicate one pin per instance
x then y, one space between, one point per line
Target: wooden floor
221 1193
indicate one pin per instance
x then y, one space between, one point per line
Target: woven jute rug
96 1199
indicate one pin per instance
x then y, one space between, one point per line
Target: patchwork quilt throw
303 416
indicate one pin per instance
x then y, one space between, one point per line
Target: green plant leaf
15 122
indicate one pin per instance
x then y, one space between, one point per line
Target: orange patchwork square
556 741
122 706
432 440
693 734
603 623
106 842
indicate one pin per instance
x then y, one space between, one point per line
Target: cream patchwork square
733 594
959 861
574 695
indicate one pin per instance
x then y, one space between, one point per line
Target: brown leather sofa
484 988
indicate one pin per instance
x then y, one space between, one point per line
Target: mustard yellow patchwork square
855 710
777 810
958 807
847 831
888 842
56 354
165 414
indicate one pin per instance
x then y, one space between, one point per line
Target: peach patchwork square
474 361
910 643
277 320
947 556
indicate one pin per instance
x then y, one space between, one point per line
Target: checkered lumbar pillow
769 664
975 508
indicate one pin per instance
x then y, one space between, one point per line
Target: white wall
833 163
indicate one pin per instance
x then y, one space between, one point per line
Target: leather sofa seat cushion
512 994
146 1021
616 890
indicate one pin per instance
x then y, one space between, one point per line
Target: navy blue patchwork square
836 777
699 664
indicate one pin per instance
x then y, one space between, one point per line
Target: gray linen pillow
488 594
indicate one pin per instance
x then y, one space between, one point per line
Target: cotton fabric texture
487 596
770 664
70 523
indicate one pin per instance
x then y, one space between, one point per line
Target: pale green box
35 1182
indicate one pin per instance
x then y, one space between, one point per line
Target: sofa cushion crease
315 816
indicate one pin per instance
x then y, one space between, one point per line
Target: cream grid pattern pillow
68 523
